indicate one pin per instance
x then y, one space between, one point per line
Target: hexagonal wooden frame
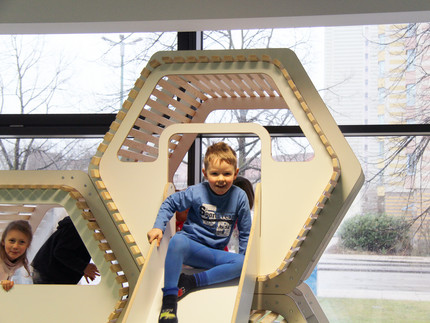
183 87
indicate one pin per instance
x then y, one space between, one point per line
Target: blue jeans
220 265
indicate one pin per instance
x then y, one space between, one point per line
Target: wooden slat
117 217
114 126
87 215
113 316
270 317
191 59
144 137
256 316
98 236
297 243
151 115
166 111
4 208
120 304
284 264
108 137
140 261
95 160
139 147
95 173
121 279
104 246
82 205
75 195
14 217
147 126
100 185
304 231
129 239
120 115
102 147
123 228
93 226
135 156
227 80
154 63
168 99
135 250
183 95
109 257
309 221
167 60
196 81
244 87
112 206
179 59
272 84
263 85
124 291
184 83
223 86
203 59
252 85
330 187
214 86
145 73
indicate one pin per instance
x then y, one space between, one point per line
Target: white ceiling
80 16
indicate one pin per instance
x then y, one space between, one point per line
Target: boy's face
220 176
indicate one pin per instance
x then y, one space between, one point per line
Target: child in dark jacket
63 258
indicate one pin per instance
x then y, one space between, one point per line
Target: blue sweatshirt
211 217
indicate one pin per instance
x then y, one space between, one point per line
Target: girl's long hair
24 227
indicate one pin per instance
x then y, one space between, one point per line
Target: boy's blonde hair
222 152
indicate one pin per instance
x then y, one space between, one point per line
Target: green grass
351 310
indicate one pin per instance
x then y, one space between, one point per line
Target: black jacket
63 257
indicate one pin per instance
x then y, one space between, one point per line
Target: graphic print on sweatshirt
211 218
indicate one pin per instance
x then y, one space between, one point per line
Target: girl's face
15 244
220 176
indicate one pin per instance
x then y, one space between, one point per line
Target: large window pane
47 154
73 73
363 73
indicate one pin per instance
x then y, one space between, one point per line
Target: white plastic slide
226 302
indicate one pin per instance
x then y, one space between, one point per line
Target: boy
214 207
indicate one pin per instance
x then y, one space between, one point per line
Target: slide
226 302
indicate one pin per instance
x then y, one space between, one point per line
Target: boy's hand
155 234
7 285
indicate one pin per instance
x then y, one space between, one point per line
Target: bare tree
248 148
128 55
407 89
30 84
410 81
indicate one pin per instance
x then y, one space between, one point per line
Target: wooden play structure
298 205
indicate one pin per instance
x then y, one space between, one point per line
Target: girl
15 241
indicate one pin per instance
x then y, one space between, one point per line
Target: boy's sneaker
167 315
186 284
168 310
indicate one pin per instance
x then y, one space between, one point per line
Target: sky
91 66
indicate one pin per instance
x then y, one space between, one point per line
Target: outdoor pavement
376 277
